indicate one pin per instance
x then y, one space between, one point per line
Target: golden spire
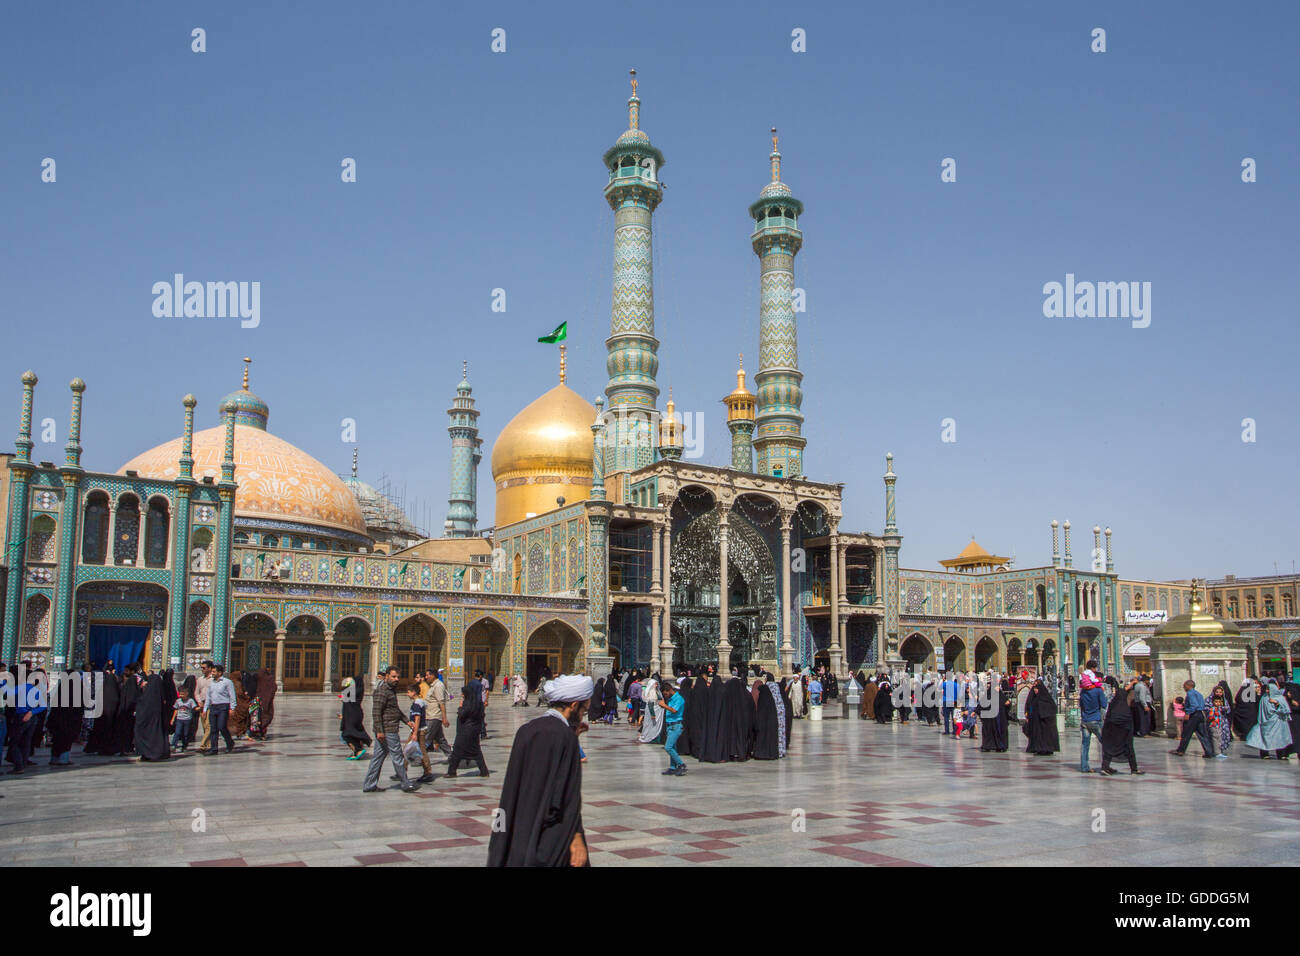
671 406
247 362
740 372
563 365
776 158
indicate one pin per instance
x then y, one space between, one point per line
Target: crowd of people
138 713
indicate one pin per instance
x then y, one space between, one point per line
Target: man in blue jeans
675 708
950 686
1092 707
29 706
221 697
1195 707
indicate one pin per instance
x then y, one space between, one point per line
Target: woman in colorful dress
1220 716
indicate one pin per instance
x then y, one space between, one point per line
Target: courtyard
849 792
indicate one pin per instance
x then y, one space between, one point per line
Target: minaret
776 240
462 504
633 192
21 468
740 420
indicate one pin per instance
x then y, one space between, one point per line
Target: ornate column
221 616
655 586
787 645
328 685
279 658
724 591
893 541
61 642
655 614
180 578
666 633
599 660
833 635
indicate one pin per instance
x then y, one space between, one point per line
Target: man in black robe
150 738
539 818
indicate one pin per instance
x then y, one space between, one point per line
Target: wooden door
349 658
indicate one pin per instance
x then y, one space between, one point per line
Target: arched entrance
553 648
485 646
125 621
1087 647
954 654
917 652
1015 655
252 643
419 642
351 651
986 654
304 654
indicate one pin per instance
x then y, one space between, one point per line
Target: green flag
342 562
559 335
578 583
405 565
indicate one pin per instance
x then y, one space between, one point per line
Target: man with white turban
539 819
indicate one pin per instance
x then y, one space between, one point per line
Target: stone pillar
724 595
787 645
666 631
837 584
327 685
279 658
655 614
373 676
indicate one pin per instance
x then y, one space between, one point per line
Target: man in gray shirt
220 698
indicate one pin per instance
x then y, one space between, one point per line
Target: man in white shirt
201 698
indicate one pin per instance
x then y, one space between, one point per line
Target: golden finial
247 362
633 75
633 105
774 139
1196 597
464 369
563 365
670 400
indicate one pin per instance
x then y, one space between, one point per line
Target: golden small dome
740 403
545 452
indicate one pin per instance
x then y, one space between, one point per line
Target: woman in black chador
469 724
150 738
124 732
1117 729
1040 721
696 722
993 718
767 729
102 734
884 702
740 709
352 725
717 724
597 709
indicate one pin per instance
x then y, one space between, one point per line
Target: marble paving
848 793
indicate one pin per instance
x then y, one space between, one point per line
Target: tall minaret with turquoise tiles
776 240
633 192
462 506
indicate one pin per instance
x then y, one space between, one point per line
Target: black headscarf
597 708
64 721
107 702
1245 713
352 722
717 725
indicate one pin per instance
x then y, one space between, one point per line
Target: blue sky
479 170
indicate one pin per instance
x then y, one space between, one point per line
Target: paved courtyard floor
866 794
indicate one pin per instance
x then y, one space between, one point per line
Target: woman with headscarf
717 724
519 689
64 723
265 701
103 731
1219 715
238 723
782 716
993 718
609 708
150 737
469 724
1040 721
1117 728
696 723
352 728
884 701
597 708
767 724
124 729
867 709
1272 731
1245 707
652 725
740 718
789 717
169 698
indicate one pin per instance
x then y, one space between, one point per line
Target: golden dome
545 452
740 403
277 481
